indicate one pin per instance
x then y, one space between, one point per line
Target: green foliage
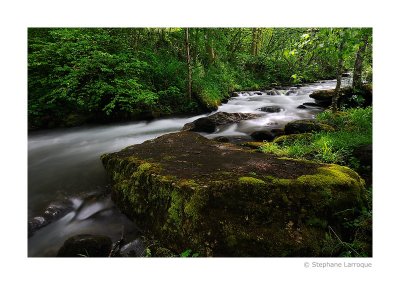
114 74
188 253
354 128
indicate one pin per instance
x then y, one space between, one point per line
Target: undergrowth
353 128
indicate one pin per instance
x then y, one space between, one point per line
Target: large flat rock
218 199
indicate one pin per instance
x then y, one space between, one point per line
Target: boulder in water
312 104
35 224
53 211
271 109
272 92
86 245
262 136
210 123
224 200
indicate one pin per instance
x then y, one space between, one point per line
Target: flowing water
64 165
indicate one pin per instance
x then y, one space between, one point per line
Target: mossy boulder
306 126
262 136
218 199
349 97
291 138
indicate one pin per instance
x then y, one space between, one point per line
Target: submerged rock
306 126
271 109
210 123
223 200
51 213
86 245
262 136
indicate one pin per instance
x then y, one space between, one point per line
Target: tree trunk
357 72
254 42
189 68
339 72
210 47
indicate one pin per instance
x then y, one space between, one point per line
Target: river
64 164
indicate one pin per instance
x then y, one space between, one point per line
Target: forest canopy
79 75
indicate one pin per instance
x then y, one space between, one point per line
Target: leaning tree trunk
357 72
339 72
189 68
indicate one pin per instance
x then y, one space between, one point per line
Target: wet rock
58 209
272 92
35 224
53 212
312 104
301 107
306 126
221 139
278 132
290 92
201 125
210 123
262 136
346 74
234 94
223 200
86 245
271 109
257 93
134 248
324 97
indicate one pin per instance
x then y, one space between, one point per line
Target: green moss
293 137
253 145
250 181
331 175
235 211
176 208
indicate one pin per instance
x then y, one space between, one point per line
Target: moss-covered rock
222 200
348 96
306 126
291 138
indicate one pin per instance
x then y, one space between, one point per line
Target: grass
354 128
